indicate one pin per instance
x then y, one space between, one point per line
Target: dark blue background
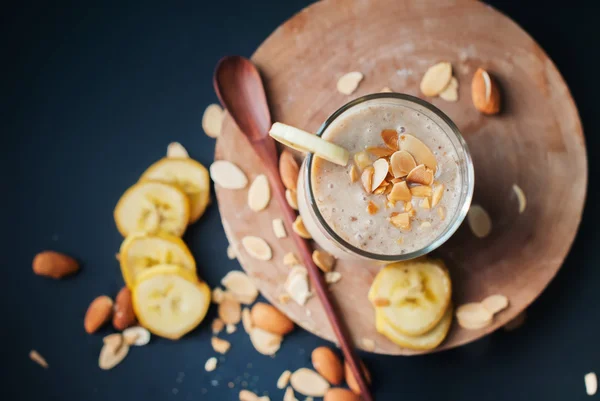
92 94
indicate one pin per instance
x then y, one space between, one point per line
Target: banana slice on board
427 341
170 301
140 252
307 142
152 207
186 174
413 295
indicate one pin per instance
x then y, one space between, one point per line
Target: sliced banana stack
412 303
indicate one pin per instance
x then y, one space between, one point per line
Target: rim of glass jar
459 216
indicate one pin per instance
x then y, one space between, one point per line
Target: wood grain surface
536 142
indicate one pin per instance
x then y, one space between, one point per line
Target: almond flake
288 170
436 79
284 379
257 248
420 175
421 152
291 198
362 160
438 191
372 208
240 286
368 344
290 259
450 94
421 191
441 211
309 383
218 295
109 357
473 316
379 151
279 228
353 174
217 326
402 163
289 395
401 220
230 311
382 189
230 252
247 323
408 206
495 303
520 197
381 302
259 193
219 345
323 260
332 277
479 221
425 224
228 175
230 328
37 358
296 285
136 336
390 138
516 322
175 150
299 228
380 171
212 120
113 341
247 395
400 192
385 90
591 383
210 364
348 83
367 178
264 342
425 203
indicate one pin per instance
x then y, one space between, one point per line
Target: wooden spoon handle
264 150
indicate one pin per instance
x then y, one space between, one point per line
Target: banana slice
170 301
306 142
186 174
412 296
141 251
427 341
152 207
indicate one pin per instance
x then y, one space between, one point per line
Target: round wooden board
537 143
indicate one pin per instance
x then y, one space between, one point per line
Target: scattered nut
390 138
284 379
479 221
450 94
372 208
217 296
485 92
37 358
259 193
351 381
520 197
340 394
328 364
300 229
385 89
591 383
279 228
228 175
379 151
425 203
367 178
495 303
123 316
438 191
240 286
136 335
230 311
247 395
309 382
98 313
269 318
362 160
380 171
348 83
289 395
436 79
400 192
401 220
230 328
217 326
210 364
296 285
323 260
53 264
291 198
441 212
332 277
288 170
290 259
420 175
421 191
247 320
368 344
230 252
353 174
419 151
264 342
257 248
402 163
219 345
175 150
212 120
111 357
473 316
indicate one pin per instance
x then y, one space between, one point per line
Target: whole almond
288 169
351 381
485 92
327 363
54 264
97 313
124 315
340 394
270 319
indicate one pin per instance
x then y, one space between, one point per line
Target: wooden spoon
240 89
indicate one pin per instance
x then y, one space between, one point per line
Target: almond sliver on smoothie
306 142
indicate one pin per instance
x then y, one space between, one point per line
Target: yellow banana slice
170 301
140 252
413 295
306 142
427 341
189 176
152 207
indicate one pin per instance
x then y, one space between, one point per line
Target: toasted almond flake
436 79
520 197
473 316
380 170
290 259
380 151
308 382
230 311
425 224
217 326
348 83
425 203
390 138
367 178
362 160
218 295
288 170
259 193
385 89
402 163
436 197
495 303
291 198
264 342
240 286
591 383
113 341
230 328
284 379
372 208
516 322
421 152
332 277
381 302
257 247
279 228
450 94
284 298
299 228
210 364
353 173
408 206
109 357
368 344
441 211
175 150
421 191
219 345
296 285
212 120
136 336
401 220
228 175
289 395
323 260
247 395
382 189
38 358
231 252
479 221
420 175
247 320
